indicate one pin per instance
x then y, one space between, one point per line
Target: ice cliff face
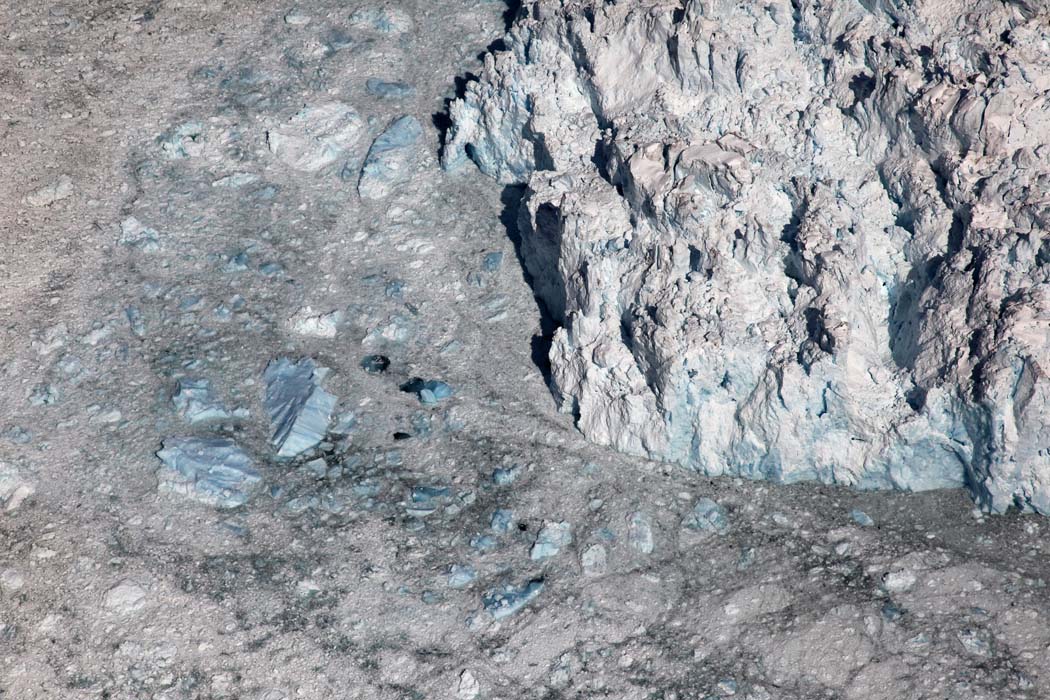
788 240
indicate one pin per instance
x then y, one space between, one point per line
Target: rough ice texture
300 410
316 136
389 160
214 470
788 240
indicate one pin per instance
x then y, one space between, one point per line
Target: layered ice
787 240
299 409
212 470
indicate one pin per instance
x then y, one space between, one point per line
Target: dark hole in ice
375 364
401 436
916 398
862 85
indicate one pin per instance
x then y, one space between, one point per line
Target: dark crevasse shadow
512 198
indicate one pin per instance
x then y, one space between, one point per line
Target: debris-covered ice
315 137
196 403
707 515
389 160
552 538
299 409
212 470
508 599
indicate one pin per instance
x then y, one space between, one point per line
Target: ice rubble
213 470
788 240
299 409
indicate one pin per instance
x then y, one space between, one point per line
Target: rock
14 489
550 540
389 89
389 160
11 581
375 364
505 476
484 543
502 521
429 391
125 598
297 18
299 409
468 687
707 516
43 395
58 190
387 20
594 560
509 599
195 402
236 180
848 297
492 262
898 581
215 471
306 322
184 141
460 576
135 235
640 532
861 518
316 136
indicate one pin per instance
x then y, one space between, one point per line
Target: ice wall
788 240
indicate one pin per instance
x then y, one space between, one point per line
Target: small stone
898 581
551 539
640 532
504 476
306 322
707 516
861 518
58 190
387 20
594 560
11 581
461 576
389 89
502 521
14 489
492 261
297 18
468 687
125 598
136 235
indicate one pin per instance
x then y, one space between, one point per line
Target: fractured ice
299 409
787 241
